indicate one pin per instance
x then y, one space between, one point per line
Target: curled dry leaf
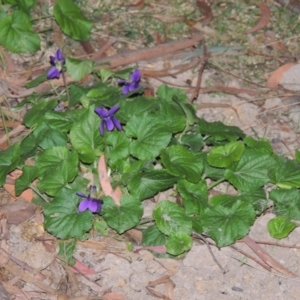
275 78
264 19
113 296
105 182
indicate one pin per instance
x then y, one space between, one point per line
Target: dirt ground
108 270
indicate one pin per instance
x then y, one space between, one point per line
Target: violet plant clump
57 61
161 145
132 84
109 121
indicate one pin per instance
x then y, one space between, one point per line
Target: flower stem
54 88
65 84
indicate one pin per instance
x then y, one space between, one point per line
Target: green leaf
297 154
262 145
86 144
9 160
178 243
223 156
124 217
280 227
117 146
286 173
150 136
257 198
57 166
147 184
105 74
287 203
181 162
61 121
136 106
104 95
71 20
219 132
173 115
77 69
29 174
35 82
16 33
194 196
251 172
35 115
194 141
66 249
48 138
226 225
63 219
152 236
170 218
76 92
168 93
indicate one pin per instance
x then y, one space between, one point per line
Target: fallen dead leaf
105 182
81 268
275 78
136 235
264 19
113 296
157 249
18 211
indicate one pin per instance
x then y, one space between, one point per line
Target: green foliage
162 147
71 20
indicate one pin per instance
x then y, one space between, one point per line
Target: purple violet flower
133 84
57 63
89 202
108 118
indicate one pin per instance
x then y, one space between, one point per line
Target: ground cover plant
133 147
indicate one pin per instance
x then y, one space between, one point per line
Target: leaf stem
216 183
38 193
65 84
5 127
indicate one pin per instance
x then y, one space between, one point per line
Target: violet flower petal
112 111
125 89
133 86
84 205
53 73
59 55
135 76
94 206
109 124
52 60
117 123
101 112
101 128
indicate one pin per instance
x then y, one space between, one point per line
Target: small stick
196 91
200 236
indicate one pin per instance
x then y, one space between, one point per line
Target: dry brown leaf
275 78
264 19
113 296
206 12
105 182
136 235
18 211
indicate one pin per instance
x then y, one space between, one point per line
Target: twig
265 266
196 91
200 236
149 53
